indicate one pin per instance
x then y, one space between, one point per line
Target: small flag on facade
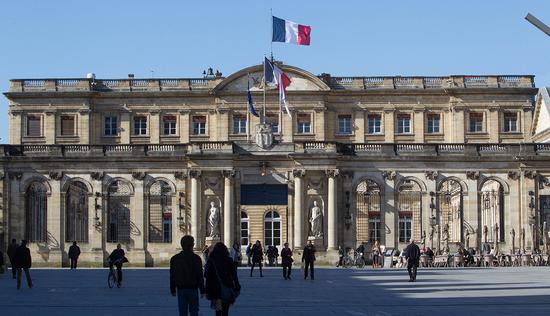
290 32
275 76
250 103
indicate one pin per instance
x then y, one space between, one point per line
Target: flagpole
271 39
263 118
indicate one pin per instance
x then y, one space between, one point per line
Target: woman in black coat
220 268
257 256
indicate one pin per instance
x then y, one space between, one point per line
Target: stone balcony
372 150
206 84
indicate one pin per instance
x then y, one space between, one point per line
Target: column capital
138 175
431 174
299 173
194 173
530 174
513 175
55 175
389 175
332 173
97 175
230 173
181 175
472 175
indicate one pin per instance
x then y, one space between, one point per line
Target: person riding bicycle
117 258
361 251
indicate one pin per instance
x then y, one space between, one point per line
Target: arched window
77 212
492 210
244 229
272 229
160 212
450 209
36 207
118 213
369 225
410 210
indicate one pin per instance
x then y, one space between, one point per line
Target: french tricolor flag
290 32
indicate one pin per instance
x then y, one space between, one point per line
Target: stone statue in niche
213 220
316 221
445 238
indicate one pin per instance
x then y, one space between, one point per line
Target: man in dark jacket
74 252
286 261
23 262
117 258
257 257
308 257
412 253
11 255
186 277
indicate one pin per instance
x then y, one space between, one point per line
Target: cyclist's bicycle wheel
347 263
360 263
111 280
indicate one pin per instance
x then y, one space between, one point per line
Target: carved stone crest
55 175
298 173
431 174
513 175
97 175
530 174
264 136
332 173
472 175
228 173
138 175
180 175
194 173
389 175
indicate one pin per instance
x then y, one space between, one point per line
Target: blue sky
67 38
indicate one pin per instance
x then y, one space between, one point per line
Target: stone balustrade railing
345 83
312 147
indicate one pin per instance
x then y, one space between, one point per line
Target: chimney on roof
131 76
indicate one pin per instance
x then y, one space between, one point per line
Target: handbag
227 294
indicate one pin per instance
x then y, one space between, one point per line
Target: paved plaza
470 291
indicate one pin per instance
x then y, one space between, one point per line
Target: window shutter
67 125
34 127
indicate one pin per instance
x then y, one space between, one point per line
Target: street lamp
347 217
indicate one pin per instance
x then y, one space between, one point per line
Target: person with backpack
222 284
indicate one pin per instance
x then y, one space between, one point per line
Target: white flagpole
263 118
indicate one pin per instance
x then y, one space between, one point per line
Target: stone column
298 207
84 127
332 229
359 125
319 125
390 211
458 123
16 127
493 124
418 126
228 207
154 127
55 222
185 126
125 128
138 207
48 128
195 206
389 126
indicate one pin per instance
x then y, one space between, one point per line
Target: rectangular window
110 127
433 123
140 125
273 119
34 126
199 125
169 125
375 123
344 124
374 229
405 228
304 123
239 124
510 122
67 125
403 124
476 122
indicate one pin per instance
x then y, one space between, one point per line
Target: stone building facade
142 162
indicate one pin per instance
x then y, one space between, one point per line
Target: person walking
117 258
340 256
236 254
376 255
11 255
74 253
308 257
186 279
249 254
23 262
257 257
286 261
222 282
412 253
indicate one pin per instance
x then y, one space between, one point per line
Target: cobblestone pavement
470 291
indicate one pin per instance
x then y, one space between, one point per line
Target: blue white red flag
290 32
275 76
250 103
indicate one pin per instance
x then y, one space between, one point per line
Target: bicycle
359 261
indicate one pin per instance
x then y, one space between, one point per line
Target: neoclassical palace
141 162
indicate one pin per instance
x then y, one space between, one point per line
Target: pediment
301 80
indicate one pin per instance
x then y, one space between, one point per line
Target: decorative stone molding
184 111
181 175
530 174
138 175
431 174
389 175
472 175
332 173
230 173
15 175
513 175
299 173
55 175
194 173
97 175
